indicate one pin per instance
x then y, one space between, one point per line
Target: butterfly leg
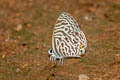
51 58
61 60
55 59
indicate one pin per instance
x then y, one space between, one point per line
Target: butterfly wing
67 36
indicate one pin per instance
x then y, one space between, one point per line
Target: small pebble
83 77
19 27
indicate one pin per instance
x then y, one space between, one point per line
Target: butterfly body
68 40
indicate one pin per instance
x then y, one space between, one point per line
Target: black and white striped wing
67 37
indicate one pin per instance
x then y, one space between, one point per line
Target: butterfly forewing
67 37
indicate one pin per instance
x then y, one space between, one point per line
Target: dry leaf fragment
83 77
28 25
19 27
25 65
117 57
3 56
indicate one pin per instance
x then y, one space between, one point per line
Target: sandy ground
26 28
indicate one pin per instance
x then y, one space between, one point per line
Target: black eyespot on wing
83 46
81 51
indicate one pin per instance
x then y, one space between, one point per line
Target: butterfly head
50 51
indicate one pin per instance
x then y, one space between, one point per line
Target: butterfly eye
50 51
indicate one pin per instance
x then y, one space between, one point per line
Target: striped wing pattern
67 37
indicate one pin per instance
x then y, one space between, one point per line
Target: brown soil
25 36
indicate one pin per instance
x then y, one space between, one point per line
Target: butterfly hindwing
66 36
68 40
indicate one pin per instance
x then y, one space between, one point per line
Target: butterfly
68 40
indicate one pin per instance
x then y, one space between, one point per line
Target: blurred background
26 28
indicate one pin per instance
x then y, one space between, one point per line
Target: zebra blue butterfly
68 40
